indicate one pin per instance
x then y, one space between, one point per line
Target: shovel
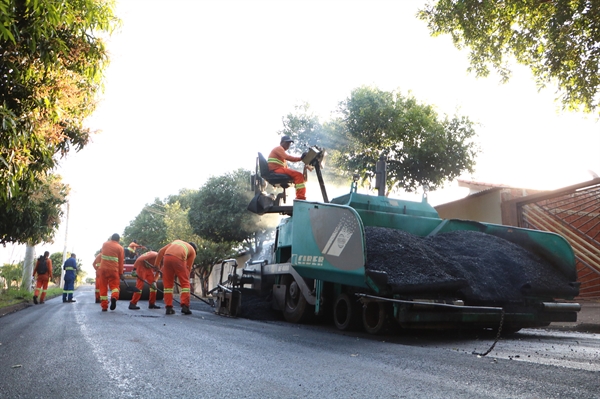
133 290
150 265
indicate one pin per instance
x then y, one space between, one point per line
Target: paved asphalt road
73 350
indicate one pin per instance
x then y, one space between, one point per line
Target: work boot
71 300
35 299
169 310
153 306
42 302
113 303
133 306
104 310
98 301
185 309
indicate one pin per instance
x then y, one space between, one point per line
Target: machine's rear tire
346 315
374 317
296 309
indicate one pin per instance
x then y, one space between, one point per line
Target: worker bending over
145 275
177 259
278 164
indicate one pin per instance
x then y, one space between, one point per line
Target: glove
133 273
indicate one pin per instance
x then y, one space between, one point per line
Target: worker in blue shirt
70 268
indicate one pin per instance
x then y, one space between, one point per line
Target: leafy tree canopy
558 40
36 218
219 212
421 148
51 64
149 227
303 126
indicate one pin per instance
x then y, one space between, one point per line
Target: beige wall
481 207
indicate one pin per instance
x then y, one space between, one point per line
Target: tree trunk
28 267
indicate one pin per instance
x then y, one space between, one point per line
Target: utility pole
64 258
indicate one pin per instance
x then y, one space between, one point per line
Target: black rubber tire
296 309
346 314
374 317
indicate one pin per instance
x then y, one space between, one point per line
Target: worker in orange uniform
131 250
142 271
278 164
96 266
177 259
43 269
111 269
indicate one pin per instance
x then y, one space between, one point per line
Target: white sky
196 88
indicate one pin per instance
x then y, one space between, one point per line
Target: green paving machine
378 262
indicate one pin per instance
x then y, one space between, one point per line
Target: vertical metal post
64 258
381 176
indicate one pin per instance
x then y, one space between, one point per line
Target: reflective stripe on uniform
112 258
185 290
184 247
168 290
104 298
69 268
275 160
301 185
115 290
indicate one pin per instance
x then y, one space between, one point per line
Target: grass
14 296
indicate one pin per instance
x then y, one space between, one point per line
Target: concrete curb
14 308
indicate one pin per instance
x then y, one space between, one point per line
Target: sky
196 88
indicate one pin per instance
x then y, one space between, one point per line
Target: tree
148 227
51 64
57 261
37 218
12 275
304 128
218 212
558 40
420 148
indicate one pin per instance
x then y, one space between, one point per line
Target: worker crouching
177 259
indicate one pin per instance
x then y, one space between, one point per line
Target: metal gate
574 213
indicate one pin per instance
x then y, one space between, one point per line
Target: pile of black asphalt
477 267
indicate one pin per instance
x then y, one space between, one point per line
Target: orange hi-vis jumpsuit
144 272
42 280
278 164
178 260
111 268
96 266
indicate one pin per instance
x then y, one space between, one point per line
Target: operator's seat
274 179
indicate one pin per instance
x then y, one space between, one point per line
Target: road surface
59 350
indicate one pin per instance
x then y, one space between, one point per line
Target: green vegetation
421 147
52 60
557 40
14 296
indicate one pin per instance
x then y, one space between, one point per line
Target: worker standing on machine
144 272
131 250
111 269
177 258
278 164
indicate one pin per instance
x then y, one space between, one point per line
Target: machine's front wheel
346 314
374 317
296 309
